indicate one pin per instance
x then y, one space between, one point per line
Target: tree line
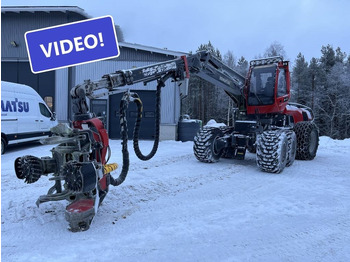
323 84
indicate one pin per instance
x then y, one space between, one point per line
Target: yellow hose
109 168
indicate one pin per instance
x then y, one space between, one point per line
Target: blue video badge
72 44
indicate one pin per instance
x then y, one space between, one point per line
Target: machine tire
272 151
307 140
204 146
3 145
227 152
252 149
292 147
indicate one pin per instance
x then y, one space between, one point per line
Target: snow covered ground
174 208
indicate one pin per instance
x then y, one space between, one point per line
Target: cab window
262 86
282 84
44 111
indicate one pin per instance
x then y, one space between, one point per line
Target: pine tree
333 94
339 56
315 75
205 101
328 57
242 66
301 81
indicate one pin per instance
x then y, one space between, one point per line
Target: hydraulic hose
138 102
124 132
124 136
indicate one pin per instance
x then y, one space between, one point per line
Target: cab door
45 118
28 117
282 92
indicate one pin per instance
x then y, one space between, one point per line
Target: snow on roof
152 49
47 9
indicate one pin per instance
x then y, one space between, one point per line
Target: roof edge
64 9
152 49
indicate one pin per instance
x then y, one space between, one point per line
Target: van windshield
44 111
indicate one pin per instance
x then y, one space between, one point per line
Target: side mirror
53 116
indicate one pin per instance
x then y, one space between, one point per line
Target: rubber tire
3 145
204 145
292 147
227 152
307 140
252 149
272 151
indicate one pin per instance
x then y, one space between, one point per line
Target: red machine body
84 209
100 135
272 97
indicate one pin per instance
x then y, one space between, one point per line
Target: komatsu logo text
14 106
158 69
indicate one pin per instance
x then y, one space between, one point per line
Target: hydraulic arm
202 64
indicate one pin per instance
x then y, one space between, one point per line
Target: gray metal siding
14 26
61 94
129 54
170 107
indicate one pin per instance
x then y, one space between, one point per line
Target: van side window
44 111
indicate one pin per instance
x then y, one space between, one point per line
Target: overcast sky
245 27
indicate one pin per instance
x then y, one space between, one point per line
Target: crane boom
202 64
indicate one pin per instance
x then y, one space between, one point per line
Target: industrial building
54 86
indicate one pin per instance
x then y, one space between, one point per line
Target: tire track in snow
129 198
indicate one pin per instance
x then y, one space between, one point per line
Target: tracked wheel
205 145
292 147
307 140
272 151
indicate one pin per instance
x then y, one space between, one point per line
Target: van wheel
3 145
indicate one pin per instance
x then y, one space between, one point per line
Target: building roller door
147 130
43 83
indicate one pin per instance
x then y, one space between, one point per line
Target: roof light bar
266 61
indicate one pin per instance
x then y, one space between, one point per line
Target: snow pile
190 120
175 208
213 123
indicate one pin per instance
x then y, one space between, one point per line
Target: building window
49 102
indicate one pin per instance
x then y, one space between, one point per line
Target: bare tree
275 49
230 59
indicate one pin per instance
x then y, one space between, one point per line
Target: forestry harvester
265 122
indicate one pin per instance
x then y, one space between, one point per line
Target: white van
24 115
